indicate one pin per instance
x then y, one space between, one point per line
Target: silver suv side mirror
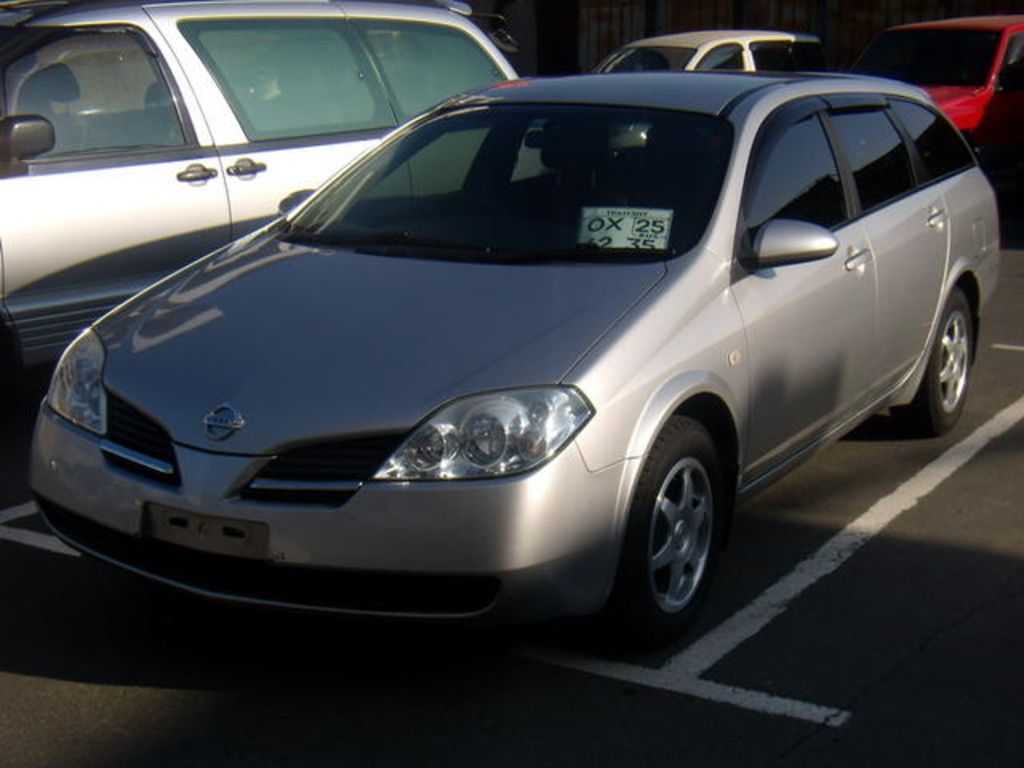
786 241
23 137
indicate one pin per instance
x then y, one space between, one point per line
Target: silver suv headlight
490 435
76 389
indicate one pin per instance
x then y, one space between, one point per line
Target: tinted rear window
424 64
877 156
931 56
938 143
788 57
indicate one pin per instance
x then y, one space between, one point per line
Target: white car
135 138
720 49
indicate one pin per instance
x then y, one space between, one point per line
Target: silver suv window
100 91
288 78
424 64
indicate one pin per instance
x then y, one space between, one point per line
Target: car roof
701 37
66 10
992 23
712 93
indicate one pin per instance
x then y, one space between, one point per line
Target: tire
674 534
940 399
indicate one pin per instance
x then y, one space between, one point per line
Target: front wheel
673 536
940 398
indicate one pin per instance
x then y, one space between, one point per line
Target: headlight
500 433
76 390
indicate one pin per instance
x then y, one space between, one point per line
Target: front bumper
529 547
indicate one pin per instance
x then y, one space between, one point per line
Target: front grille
355 460
296 586
129 428
322 473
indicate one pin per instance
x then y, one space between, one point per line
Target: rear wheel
940 398
673 536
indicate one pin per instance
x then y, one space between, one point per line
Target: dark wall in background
845 26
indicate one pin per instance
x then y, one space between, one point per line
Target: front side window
941 148
289 78
796 177
931 56
784 56
531 183
101 92
727 57
424 64
877 156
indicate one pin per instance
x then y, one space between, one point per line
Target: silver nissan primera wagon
522 359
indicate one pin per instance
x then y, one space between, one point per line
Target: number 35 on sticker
645 228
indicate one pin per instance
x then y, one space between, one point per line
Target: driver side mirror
23 137
786 241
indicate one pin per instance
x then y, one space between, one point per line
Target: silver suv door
810 326
126 194
907 230
295 97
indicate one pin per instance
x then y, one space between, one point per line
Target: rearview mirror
786 241
293 201
23 137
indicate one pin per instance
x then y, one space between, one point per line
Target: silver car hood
311 343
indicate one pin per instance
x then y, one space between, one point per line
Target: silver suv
177 127
521 359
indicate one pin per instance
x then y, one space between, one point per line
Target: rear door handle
936 218
857 259
246 166
197 172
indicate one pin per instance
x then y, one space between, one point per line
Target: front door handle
197 172
246 167
936 218
857 259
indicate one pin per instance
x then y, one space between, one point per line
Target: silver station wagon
522 359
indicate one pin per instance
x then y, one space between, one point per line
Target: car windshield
931 56
529 183
647 58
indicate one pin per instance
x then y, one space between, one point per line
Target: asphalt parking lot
868 612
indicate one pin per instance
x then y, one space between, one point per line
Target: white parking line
1008 347
682 673
30 538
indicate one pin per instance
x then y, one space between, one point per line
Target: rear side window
424 64
941 149
287 78
723 57
796 177
877 156
788 57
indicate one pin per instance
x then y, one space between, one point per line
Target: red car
974 69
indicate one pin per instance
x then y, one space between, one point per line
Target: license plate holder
207 533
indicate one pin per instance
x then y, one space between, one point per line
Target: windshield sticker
644 228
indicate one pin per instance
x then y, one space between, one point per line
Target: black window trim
110 159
